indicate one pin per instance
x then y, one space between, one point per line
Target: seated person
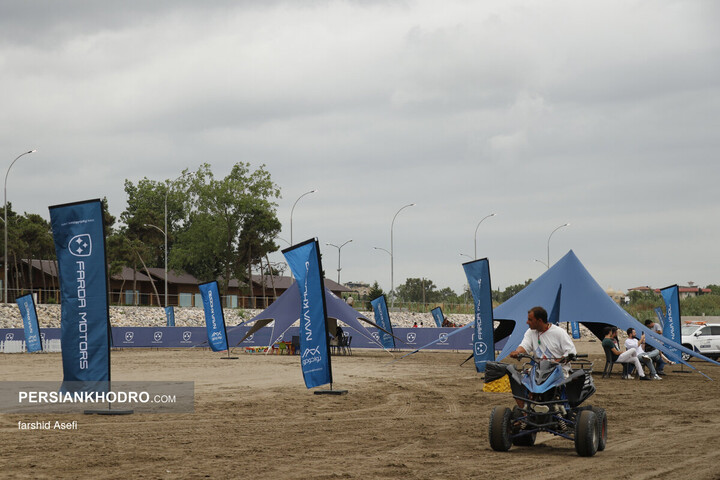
638 344
661 359
628 356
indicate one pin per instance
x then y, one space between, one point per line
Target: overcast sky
603 114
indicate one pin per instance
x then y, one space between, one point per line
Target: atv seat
609 363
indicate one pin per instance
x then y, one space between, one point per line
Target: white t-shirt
634 343
553 343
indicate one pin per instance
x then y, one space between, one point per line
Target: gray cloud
599 114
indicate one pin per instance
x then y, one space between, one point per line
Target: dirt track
423 417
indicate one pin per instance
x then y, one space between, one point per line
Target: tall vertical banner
438 316
170 315
671 328
85 332
478 276
28 312
575 327
382 319
214 319
304 262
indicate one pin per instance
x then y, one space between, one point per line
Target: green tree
218 211
144 215
714 289
419 290
374 292
506 294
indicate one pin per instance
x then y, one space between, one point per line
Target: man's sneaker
645 378
628 377
662 374
657 377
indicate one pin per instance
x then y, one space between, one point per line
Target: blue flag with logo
478 276
170 315
382 319
214 319
671 328
304 262
79 237
28 312
438 316
575 327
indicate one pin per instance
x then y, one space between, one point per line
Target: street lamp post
548 242
339 248
476 230
293 209
164 232
540 261
5 284
392 256
466 255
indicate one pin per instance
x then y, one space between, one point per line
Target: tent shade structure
583 300
286 310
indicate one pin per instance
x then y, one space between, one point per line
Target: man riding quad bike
548 401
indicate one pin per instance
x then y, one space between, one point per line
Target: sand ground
420 418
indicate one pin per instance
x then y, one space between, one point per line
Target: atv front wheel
500 426
587 435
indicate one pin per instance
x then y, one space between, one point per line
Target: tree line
217 228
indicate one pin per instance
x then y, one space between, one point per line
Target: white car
703 339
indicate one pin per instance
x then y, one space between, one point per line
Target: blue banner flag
382 319
304 262
575 327
438 316
671 328
79 237
170 315
28 312
478 276
661 317
214 320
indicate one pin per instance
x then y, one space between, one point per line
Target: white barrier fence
18 346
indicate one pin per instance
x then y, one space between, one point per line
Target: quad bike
550 403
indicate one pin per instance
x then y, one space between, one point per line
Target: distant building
360 288
684 292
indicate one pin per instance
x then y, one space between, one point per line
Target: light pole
392 256
466 255
340 247
540 261
6 224
164 232
548 243
293 209
476 229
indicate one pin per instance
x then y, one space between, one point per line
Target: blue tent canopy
285 311
583 301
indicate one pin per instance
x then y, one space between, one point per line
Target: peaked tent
583 301
285 311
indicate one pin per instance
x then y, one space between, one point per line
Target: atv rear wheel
602 427
587 435
500 426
